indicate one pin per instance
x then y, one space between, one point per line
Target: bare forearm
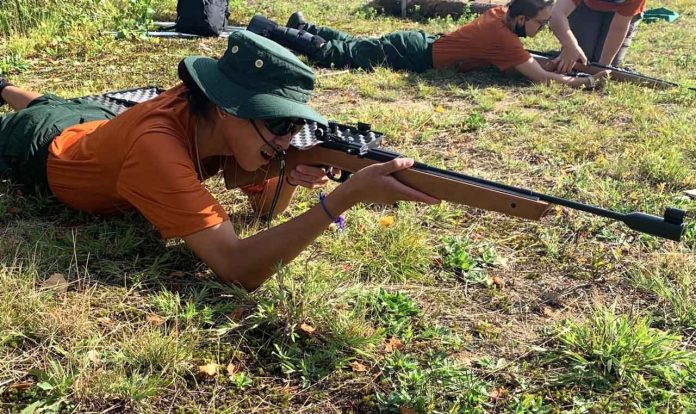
561 29
535 72
254 259
615 37
559 23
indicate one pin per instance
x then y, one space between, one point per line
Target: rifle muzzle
671 226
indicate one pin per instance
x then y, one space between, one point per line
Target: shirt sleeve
159 179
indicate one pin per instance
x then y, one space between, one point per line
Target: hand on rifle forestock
376 184
570 55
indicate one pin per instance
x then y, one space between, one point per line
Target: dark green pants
25 136
403 50
590 28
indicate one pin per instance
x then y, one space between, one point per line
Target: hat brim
239 101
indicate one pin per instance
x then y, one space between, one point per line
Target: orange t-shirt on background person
144 159
627 8
486 41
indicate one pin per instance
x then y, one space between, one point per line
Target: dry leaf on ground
209 369
498 393
155 320
21 385
358 367
392 344
93 357
237 315
56 282
498 282
231 369
407 410
308 329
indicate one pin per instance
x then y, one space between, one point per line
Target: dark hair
527 8
198 101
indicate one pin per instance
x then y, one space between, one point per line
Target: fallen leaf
106 321
308 329
155 320
392 344
502 262
13 210
439 109
93 357
498 393
358 367
386 221
21 385
231 369
548 312
56 282
498 282
407 410
237 315
209 369
177 273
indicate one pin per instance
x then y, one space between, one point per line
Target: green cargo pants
402 50
26 135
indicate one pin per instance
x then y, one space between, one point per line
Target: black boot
297 21
296 40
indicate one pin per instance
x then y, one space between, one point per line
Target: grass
412 308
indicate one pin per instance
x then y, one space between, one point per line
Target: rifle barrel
639 77
670 226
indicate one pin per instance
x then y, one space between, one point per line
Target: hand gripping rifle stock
617 74
351 149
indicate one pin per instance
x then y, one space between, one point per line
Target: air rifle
617 74
353 148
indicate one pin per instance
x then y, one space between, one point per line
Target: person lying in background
493 39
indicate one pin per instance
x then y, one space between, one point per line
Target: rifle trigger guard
340 178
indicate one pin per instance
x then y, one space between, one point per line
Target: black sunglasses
283 126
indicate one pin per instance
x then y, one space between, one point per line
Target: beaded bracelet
339 221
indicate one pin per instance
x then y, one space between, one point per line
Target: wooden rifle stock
440 187
339 148
617 74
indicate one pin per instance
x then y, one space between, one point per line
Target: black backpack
201 17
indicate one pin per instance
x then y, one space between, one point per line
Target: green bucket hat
256 78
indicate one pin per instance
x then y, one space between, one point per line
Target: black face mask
521 31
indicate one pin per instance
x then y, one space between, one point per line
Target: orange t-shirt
627 8
484 42
141 159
